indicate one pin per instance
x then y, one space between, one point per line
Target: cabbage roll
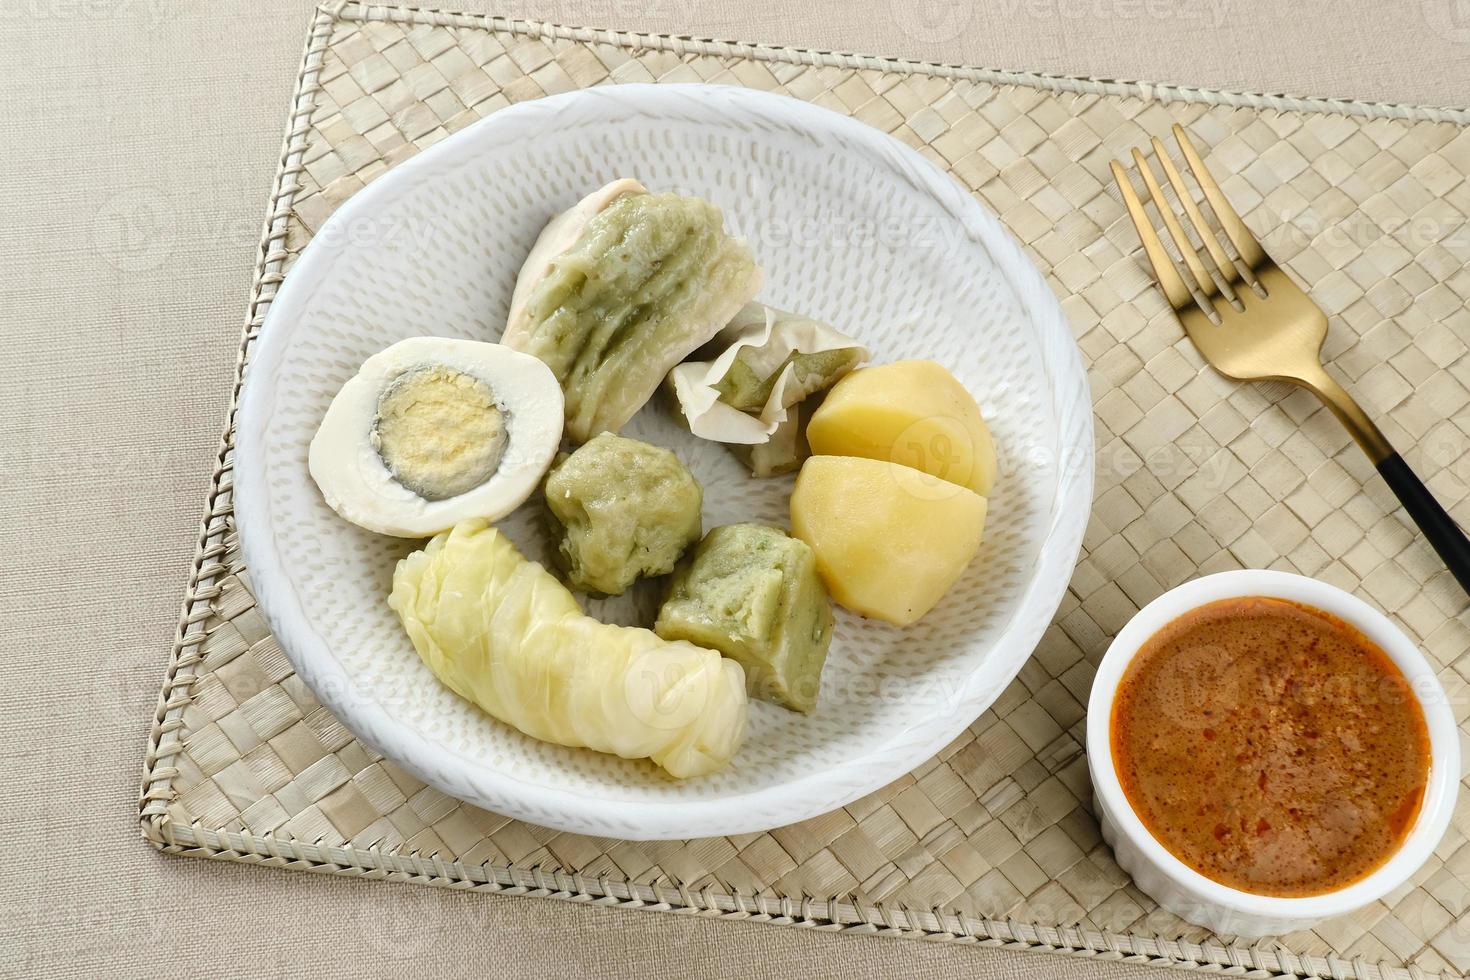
503 633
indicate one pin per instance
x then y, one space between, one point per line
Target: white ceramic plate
850 226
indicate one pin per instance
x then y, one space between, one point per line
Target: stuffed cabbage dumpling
502 632
621 288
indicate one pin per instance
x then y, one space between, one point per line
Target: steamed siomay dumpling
502 632
756 393
620 510
618 290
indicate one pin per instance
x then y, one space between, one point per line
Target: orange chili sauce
1270 746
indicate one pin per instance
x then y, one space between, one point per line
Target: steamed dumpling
620 510
502 632
753 394
621 288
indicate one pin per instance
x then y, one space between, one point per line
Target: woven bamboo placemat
991 841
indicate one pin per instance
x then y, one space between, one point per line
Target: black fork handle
1436 524
1433 522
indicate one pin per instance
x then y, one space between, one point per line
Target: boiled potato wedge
910 412
889 540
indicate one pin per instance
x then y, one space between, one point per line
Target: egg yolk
439 431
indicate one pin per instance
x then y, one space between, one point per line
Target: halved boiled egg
433 431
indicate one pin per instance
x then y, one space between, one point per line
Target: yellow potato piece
889 539
909 412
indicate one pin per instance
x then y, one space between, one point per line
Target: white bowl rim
800 799
1444 772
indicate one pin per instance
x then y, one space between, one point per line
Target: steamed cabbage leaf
503 633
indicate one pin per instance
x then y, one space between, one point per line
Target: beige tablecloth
139 138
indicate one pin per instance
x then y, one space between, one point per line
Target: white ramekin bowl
1189 894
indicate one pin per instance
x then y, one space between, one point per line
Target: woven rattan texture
992 840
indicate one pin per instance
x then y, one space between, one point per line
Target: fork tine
1168 276
1196 218
1191 257
1245 243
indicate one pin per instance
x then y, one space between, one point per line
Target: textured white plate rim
797 800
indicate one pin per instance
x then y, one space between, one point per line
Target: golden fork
1253 323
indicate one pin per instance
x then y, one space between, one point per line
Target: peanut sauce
1270 746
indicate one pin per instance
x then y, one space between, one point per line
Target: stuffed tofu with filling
752 592
433 431
618 290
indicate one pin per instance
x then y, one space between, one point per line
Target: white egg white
360 487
